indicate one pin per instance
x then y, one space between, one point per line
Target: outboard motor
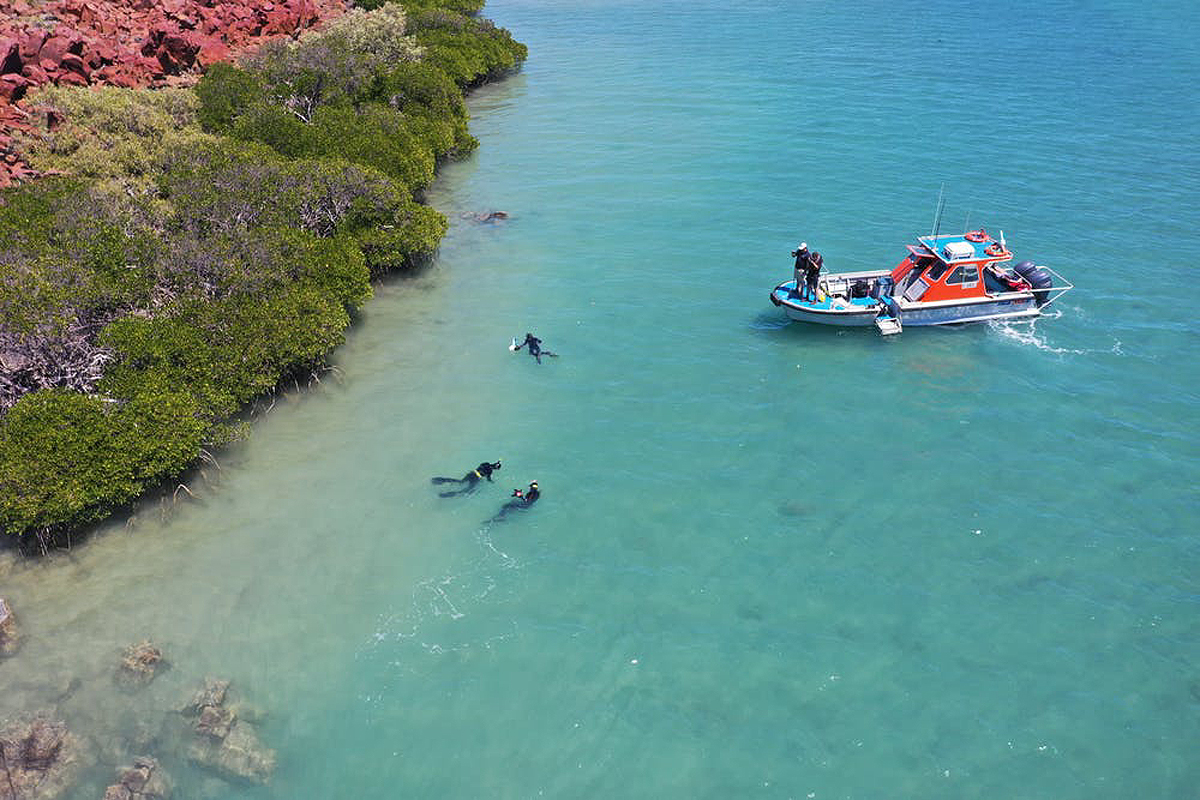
1039 278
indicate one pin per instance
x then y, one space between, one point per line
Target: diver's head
533 485
495 465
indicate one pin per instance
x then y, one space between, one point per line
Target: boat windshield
937 271
966 275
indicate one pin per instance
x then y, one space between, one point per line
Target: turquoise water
770 560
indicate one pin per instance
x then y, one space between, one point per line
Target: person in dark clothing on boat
815 262
801 269
521 500
471 479
535 347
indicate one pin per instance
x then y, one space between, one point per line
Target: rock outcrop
38 758
139 664
223 742
145 780
10 634
128 43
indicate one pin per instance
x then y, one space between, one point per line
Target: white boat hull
861 312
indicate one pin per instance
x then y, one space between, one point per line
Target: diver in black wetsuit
521 499
471 479
535 347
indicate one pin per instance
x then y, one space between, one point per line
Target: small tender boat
942 280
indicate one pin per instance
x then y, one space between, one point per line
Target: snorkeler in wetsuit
471 479
535 347
521 499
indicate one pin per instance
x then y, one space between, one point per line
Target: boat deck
828 304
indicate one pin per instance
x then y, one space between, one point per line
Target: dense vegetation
199 246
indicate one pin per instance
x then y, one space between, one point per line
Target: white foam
1025 332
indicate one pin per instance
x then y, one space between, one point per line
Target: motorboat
943 279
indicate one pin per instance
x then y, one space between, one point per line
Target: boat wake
442 601
1025 332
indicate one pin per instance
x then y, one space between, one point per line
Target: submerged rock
241 754
223 742
216 721
145 780
10 634
487 216
39 758
212 694
139 664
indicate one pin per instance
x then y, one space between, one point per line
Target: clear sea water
769 560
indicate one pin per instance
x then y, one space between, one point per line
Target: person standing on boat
471 479
801 270
535 347
815 262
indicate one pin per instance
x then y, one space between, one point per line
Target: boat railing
1058 288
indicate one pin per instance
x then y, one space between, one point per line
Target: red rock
179 47
48 66
280 22
54 49
10 55
31 45
145 66
167 62
88 15
213 51
75 64
91 57
73 9
74 39
12 87
35 74
72 78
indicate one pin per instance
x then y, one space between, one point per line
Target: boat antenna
967 222
937 214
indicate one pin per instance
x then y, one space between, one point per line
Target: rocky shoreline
128 44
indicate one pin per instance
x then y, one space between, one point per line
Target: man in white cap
801 271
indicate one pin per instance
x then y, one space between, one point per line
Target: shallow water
769 559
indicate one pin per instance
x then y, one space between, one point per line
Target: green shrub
115 138
67 255
224 93
225 352
433 101
276 127
411 239
374 136
68 459
468 50
381 34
